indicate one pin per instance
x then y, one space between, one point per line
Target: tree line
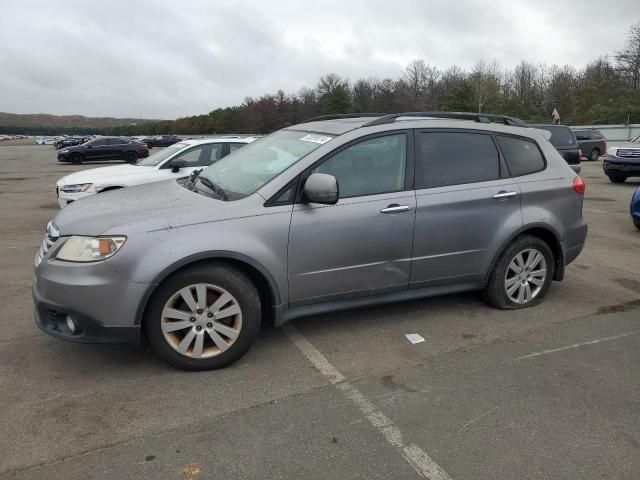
606 90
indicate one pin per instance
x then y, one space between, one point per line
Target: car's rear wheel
131 157
204 317
76 159
594 155
522 275
617 178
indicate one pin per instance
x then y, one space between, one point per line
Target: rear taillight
579 185
580 156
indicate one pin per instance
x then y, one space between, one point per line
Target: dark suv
162 140
592 143
563 138
104 148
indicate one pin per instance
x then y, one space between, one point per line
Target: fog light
70 325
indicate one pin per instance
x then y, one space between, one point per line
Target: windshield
162 155
249 168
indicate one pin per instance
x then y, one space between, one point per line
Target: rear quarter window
523 156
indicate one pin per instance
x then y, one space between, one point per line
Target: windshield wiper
211 186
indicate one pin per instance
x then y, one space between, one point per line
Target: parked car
104 148
635 208
334 213
623 161
592 143
563 138
162 140
178 160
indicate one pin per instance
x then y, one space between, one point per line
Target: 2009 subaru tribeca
325 215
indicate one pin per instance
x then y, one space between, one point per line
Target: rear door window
455 158
523 157
582 135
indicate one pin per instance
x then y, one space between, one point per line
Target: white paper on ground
414 337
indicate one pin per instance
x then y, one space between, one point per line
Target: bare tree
485 82
629 57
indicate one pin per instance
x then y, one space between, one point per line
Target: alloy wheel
201 320
526 275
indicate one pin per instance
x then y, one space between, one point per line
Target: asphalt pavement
551 392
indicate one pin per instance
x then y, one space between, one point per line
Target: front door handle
395 208
503 195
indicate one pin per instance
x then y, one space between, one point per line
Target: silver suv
330 214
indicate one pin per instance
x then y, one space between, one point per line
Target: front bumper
620 166
63 157
65 198
102 304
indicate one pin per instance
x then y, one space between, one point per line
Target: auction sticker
316 138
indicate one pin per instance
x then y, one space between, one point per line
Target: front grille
52 234
629 153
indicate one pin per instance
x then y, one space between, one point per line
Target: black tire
636 223
594 155
76 158
495 292
617 178
130 157
219 274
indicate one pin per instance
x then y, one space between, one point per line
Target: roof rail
476 117
337 116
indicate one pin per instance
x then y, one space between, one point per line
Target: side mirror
576 168
321 188
177 164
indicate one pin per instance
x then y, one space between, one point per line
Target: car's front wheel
522 275
617 178
76 159
636 223
203 317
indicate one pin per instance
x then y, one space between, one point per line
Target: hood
140 209
95 175
628 145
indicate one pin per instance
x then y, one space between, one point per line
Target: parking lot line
422 463
576 345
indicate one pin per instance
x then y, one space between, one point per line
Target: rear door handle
395 208
502 195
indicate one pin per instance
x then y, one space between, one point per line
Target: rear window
560 135
523 157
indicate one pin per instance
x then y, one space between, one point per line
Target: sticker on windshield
316 138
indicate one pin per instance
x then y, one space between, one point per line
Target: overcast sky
166 59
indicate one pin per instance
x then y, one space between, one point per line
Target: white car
176 161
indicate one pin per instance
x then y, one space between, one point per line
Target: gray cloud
164 59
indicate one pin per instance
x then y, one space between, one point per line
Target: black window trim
526 139
503 172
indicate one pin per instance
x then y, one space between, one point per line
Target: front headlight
64 150
89 249
79 188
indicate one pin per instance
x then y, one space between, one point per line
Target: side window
597 135
99 143
454 158
581 135
216 152
115 141
373 166
193 157
522 156
235 146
